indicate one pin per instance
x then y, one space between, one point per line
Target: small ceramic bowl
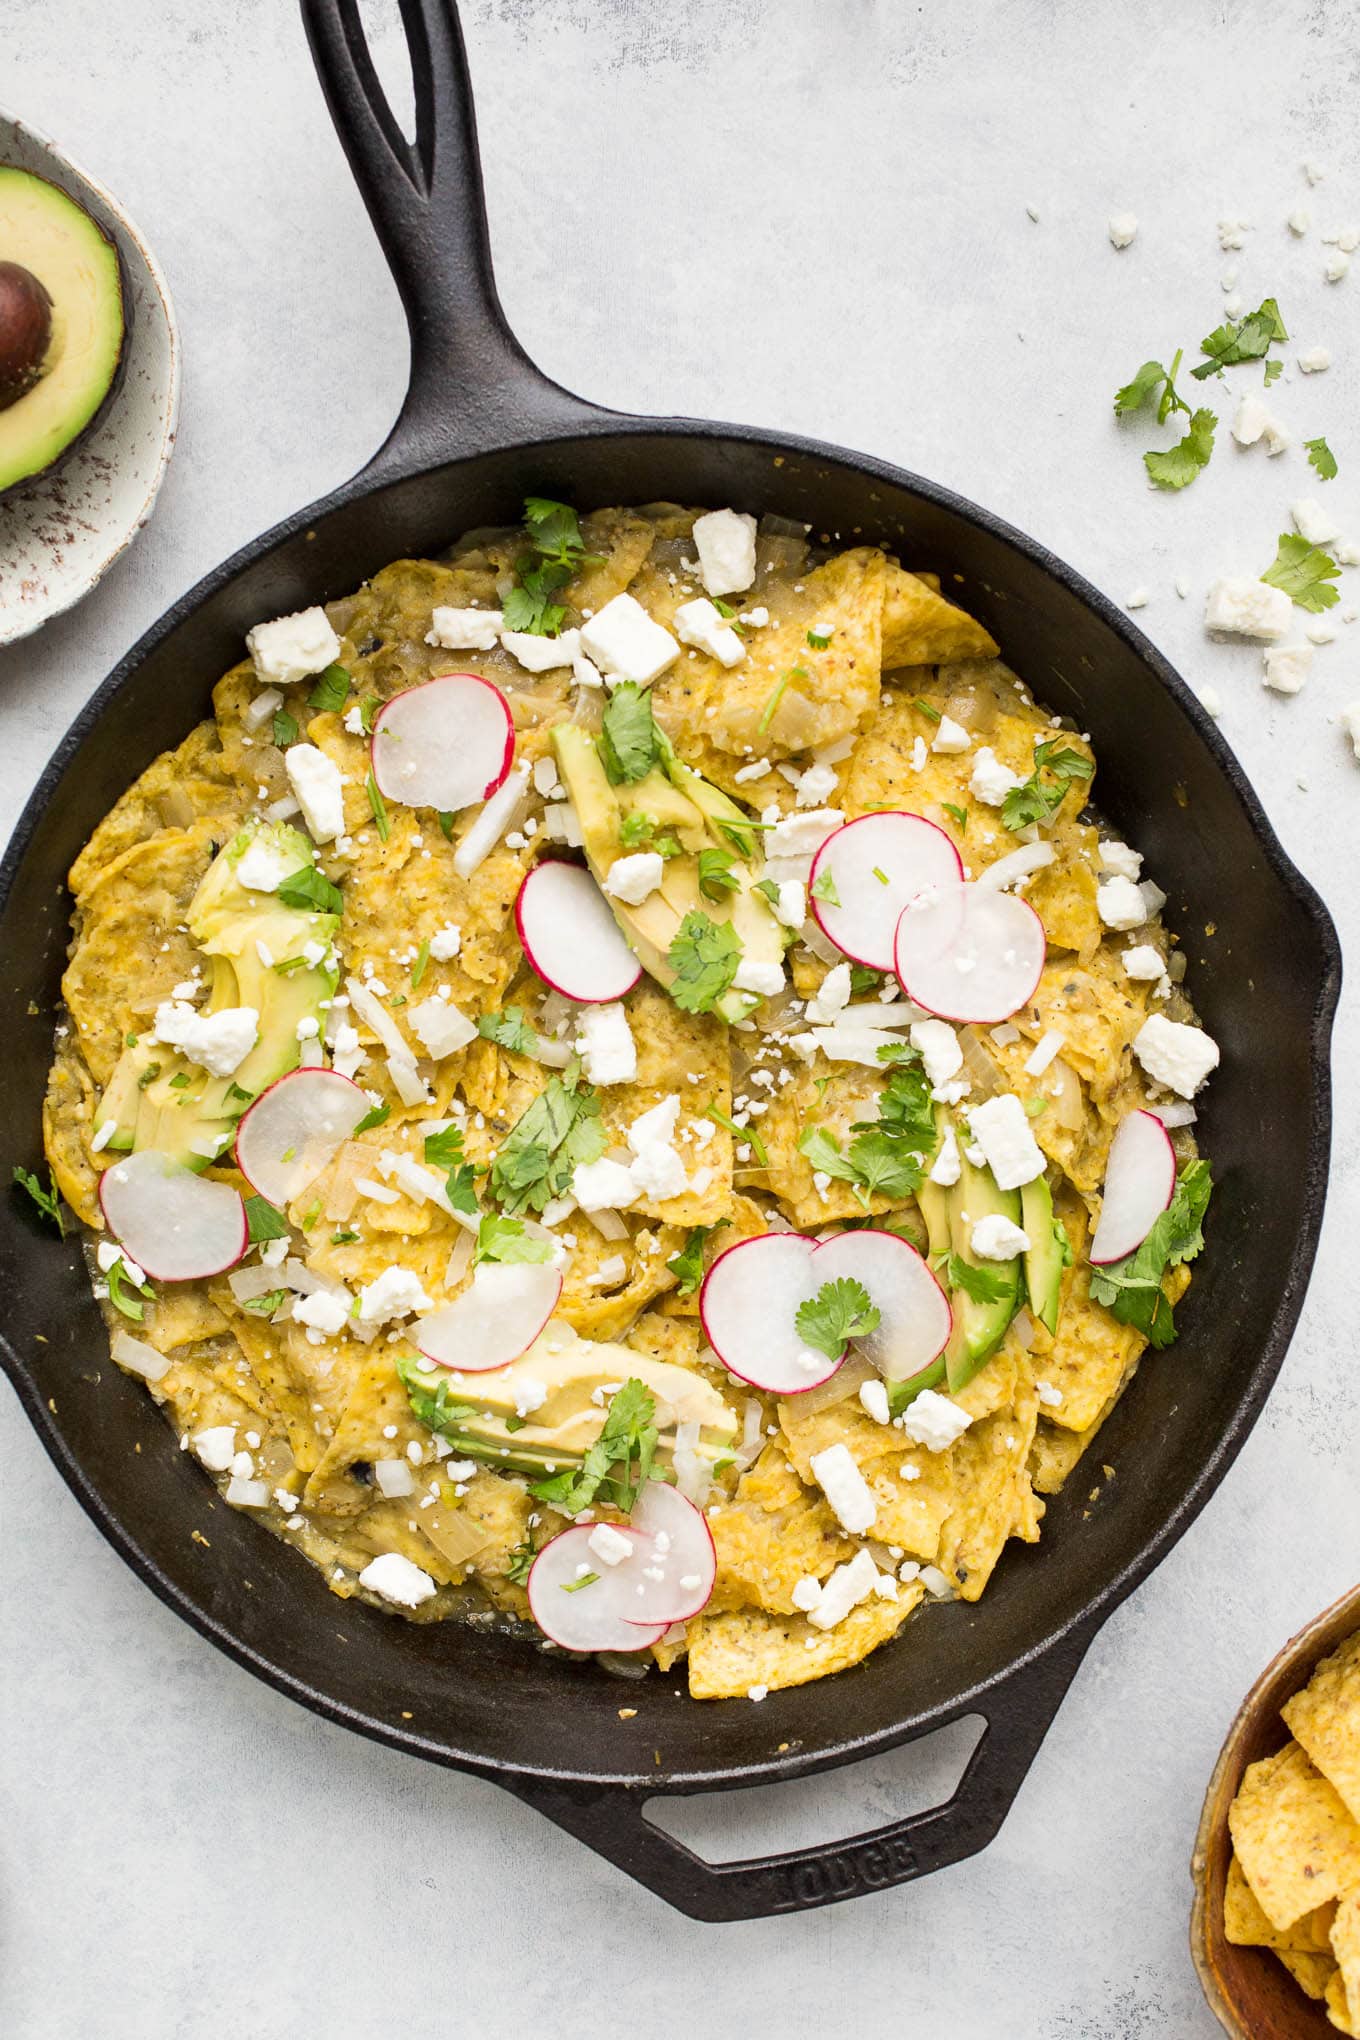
63 530
1250 1992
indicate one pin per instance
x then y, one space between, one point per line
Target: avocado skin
102 254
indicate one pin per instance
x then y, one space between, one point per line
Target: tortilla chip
920 628
1338 2001
180 786
786 695
731 1653
1246 1925
1345 1940
1325 1720
993 1489
1091 1355
1312 1973
1296 1842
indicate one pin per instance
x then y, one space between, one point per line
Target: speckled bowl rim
65 596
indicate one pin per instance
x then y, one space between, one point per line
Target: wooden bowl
1249 1990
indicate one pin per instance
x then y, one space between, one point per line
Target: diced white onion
1050 1047
609 1225
138 1357
1174 1113
1017 864
422 1184
499 814
459 1260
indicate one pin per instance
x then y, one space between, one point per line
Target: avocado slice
62 324
1049 1251
979 1325
702 818
563 1428
159 1100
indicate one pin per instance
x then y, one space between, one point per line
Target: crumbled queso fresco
485 1162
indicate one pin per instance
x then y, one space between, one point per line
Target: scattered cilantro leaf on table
1304 571
1321 458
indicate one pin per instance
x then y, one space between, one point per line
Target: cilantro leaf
1274 370
377 1115
840 1311
629 741
47 1201
285 728
746 1135
983 1285
121 1286
824 888
554 529
1150 378
627 1440
1132 1288
444 1150
377 808
529 605
1241 340
823 1151
1036 798
1304 571
539 1155
519 1561
716 876
505 1240
1321 458
885 1166
421 964
1175 467
432 1400
688 1265
704 955
331 691
509 1030
310 891
266 1305
264 1221
958 815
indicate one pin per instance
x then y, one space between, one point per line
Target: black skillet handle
1018 1713
472 385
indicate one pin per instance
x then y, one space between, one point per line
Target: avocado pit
25 331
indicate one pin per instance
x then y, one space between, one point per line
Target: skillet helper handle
1018 1713
472 386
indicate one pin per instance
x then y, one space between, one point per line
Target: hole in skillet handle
1017 1712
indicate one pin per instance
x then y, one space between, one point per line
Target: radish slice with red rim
581 1613
874 866
496 1318
287 1137
570 936
970 954
1140 1181
672 1577
749 1305
176 1225
914 1315
443 744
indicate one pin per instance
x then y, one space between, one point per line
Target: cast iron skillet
479 428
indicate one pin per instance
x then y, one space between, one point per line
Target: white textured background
807 213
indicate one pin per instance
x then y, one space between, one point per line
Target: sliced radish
287 1137
969 954
178 1226
586 1617
570 935
496 1318
1140 1180
749 1303
875 866
914 1315
444 744
672 1577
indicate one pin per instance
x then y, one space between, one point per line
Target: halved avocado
56 252
979 1325
1049 1251
701 817
159 1100
564 1427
